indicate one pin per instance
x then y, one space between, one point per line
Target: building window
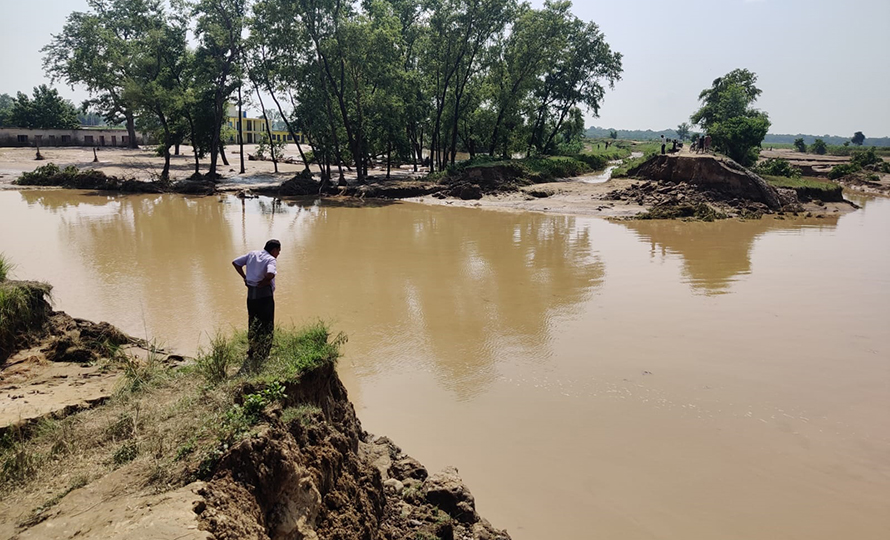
125 140
22 138
52 138
250 125
66 138
87 139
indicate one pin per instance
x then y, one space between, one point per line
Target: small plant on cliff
298 351
800 145
302 413
819 147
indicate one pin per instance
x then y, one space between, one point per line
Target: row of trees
404 80
46 109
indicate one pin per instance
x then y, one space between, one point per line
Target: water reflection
715 254
449 290
458 288
150 258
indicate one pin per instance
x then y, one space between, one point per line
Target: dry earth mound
723 180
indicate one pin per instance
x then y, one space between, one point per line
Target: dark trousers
261 326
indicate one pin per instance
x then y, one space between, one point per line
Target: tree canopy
45 110
858 138
402 80
726 114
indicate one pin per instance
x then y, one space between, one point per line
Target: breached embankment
710 187
274 457
721 179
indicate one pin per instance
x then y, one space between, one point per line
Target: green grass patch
301 413
171 423
698 211
23 310
802 182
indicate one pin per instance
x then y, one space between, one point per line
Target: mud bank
315 474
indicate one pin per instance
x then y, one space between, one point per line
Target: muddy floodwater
589 379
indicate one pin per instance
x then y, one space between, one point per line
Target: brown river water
589 379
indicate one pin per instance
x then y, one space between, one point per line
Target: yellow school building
254 129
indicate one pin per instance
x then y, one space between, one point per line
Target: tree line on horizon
596 132
401 80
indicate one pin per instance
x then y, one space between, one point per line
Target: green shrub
863 158
843 170
777 167
819 147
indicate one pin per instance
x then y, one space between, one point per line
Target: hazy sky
823 65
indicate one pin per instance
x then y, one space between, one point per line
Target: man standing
260 281
662 144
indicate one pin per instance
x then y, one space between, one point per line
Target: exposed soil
732 192
316 477
63 366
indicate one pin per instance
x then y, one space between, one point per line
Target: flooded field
589 379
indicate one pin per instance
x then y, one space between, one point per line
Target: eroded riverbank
748 354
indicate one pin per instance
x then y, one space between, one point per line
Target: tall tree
219 29
95 49
46 110
858 138
159 59
726 114
683 131
522 58
6 102
575 78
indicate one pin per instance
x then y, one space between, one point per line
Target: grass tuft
23 310
6 267
214 364
301 413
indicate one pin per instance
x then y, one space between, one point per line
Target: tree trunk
165 174
287 123
222 154
272 150
131 129
240 129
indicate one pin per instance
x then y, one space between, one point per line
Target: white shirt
258 264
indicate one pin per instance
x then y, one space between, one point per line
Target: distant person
259 279
662 145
